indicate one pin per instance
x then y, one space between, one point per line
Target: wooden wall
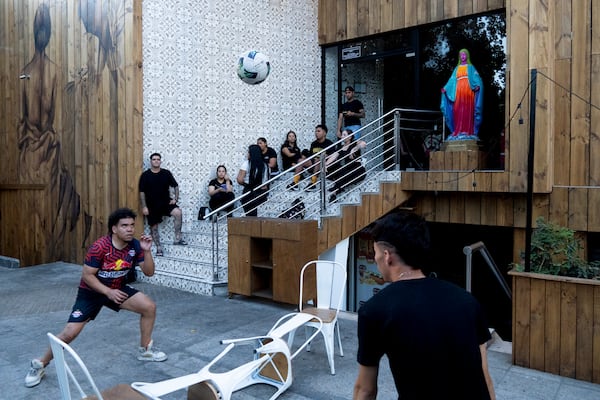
75 154
71 130
561 39
341 20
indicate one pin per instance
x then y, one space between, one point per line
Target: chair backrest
64 373
322 283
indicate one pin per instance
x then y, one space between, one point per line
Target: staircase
190 268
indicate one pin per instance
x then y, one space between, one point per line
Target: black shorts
156 214
89 303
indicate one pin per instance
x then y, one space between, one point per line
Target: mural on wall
40 158
48 125
105 20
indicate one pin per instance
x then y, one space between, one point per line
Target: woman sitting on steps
220 190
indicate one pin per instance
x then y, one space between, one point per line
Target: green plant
555 250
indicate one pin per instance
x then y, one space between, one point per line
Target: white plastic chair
65 375
322 290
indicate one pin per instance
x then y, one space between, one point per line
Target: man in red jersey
103 283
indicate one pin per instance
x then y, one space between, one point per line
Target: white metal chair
322 290
271 365
65 375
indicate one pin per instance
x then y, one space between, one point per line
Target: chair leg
328 332
306 336
290 340
337 327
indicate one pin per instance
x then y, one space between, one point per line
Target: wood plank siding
71 161
561 39
556 325
97 121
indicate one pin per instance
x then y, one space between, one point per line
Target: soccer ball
253 67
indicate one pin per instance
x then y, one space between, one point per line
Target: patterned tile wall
197 113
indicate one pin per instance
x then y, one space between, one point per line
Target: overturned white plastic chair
271 365
65 376
322 290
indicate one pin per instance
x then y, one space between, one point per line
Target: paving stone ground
36 300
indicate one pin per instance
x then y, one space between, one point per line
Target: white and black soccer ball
253 67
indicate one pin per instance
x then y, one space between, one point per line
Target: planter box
556 325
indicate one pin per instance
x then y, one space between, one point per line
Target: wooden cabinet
266 255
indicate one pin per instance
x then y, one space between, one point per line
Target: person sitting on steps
220 190
344 166
157 202
291 156
320 143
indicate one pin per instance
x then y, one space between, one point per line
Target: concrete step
189 267
497 344
195 253
189 283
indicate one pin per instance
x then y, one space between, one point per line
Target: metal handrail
383 138
480 247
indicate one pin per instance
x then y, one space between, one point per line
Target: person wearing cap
433 332
351 113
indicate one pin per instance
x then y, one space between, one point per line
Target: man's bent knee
71 331
141 304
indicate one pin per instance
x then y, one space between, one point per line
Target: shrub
555 251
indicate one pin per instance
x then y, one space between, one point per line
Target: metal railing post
479 246
468 250
215 246
397 140
322 183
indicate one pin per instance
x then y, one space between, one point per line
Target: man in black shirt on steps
155 195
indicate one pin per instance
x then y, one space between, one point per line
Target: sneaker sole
140 358
35 383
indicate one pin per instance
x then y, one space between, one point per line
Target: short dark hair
322 126
349 89
117 215
155 154
407 233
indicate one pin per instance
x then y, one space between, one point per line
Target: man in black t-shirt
155 196
350 114
433 332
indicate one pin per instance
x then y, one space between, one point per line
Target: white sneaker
35 374
149 354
